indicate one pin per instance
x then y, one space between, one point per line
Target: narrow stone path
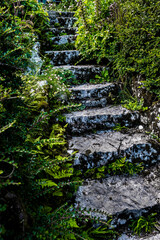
97 144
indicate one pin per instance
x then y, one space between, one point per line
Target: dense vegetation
125 35
33 164
37 180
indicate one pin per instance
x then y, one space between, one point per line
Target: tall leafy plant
124 35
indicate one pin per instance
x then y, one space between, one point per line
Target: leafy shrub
20 24
145 224
124 35
34 167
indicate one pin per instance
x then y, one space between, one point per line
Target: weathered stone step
122 197
62 30
95 95
63 39
151 236
96 103
84 72
101 118
60 14
63 57
66 22
99 149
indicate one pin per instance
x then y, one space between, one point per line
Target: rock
66 22
96 150
103 118
63 30
97 95
63 57
94 91
140 127
65 39
153 236
60 14
84 72
121 197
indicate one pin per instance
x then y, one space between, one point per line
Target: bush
33 166
124 34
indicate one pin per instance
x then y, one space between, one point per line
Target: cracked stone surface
106 91
84 72
103 148
59 31
96 103
67 22
60 14
154 236
100 118
59 40
63 57
119 196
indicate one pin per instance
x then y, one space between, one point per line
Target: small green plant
118 127
104 77
145 224
135 105
121 166
156 137
105 231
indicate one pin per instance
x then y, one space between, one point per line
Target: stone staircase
91 133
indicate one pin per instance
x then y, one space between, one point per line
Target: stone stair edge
59 30
120 197
82 66
60 51
103 147
101 118
151 236
108 110
60 12
89 86
63 18
64 36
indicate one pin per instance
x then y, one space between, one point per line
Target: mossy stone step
84 72
61 30
95 150
66 57
66 22
151 236
95 95
59 40
60 14
100 118
122 197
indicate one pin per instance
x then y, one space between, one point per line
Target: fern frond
7 126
